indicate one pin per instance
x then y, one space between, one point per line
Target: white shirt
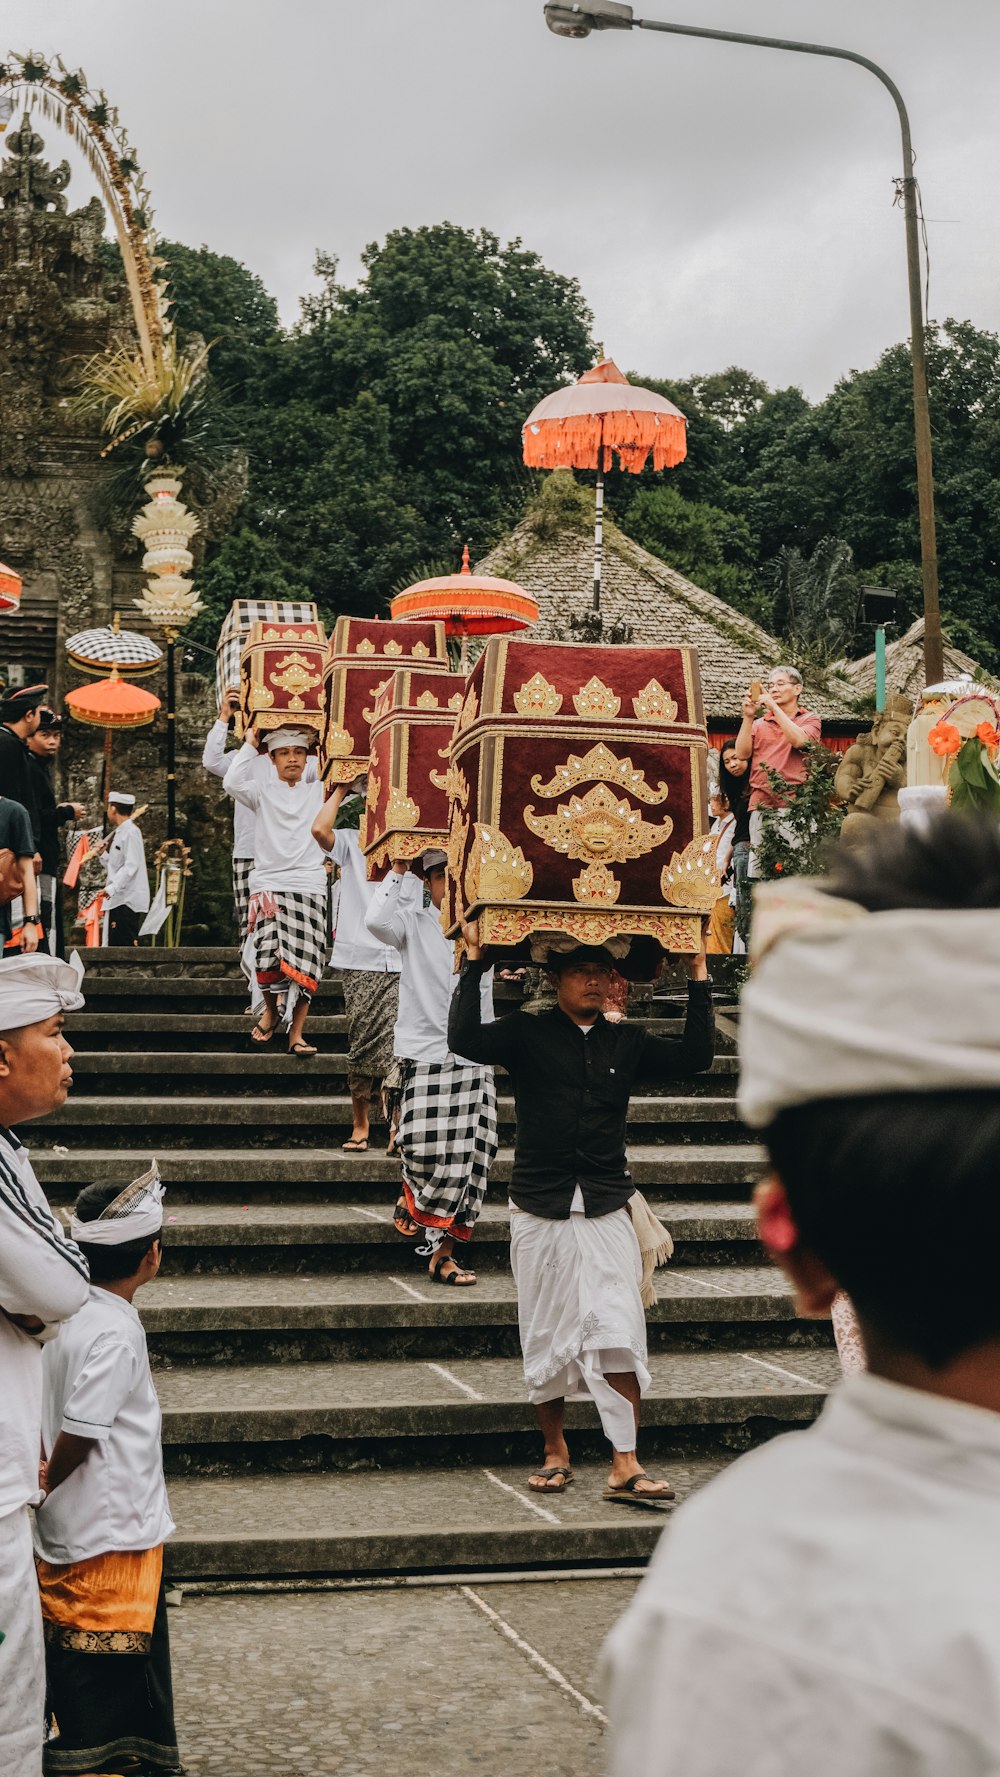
216 760
354 947
44 1275
428 977
97 1384
827 1607
125 863
286 855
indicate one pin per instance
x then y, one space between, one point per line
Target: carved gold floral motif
597 886
394 648
458 833
421 651
338 744
263 699
300 634
537 697
453 782
427 701
600 762
401 810
375 692
292 674
598 825
678 932
596 699
692 877
365 646
654 703
497 870
469 712
455 701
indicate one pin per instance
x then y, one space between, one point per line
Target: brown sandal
546 1475
629 1494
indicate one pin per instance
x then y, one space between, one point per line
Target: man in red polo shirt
775 739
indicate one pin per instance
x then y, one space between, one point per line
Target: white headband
846 1003
135 1214
287 737
36 987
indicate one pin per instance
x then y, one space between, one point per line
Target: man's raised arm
693 1052
467 1034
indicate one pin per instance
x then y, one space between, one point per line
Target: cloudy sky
718 204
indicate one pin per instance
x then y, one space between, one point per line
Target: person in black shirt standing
43 746
574 1251
19 718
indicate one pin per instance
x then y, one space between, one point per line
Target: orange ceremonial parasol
583 426
10 588
468 604
109 704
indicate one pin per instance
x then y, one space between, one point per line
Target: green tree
713 548
797 840
815 600
227 304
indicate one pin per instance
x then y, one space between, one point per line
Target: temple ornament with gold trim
600 763
598 825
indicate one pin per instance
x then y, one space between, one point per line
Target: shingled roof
552 555
904 665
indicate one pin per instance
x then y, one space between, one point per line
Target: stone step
121 1071
435 1520
231 1418
293 1121
673 1171
218 1237
150 1030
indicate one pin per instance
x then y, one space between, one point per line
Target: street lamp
568 19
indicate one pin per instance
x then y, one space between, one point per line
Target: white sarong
22 1656
580 1312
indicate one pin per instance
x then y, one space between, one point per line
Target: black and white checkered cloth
107 647
241 894
291 941
447 1138
239 621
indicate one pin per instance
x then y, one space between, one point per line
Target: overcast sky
718 204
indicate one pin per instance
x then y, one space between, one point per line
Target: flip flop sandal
403 1222
300 1048
627 1495
354 1147
451 1278
262 1033
546 1475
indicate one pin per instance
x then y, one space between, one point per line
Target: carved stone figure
873 770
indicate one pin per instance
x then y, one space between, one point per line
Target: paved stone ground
308 1685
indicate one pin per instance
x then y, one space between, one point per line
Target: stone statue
873 770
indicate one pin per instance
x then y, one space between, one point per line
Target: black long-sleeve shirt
572 1090
17 778
51 814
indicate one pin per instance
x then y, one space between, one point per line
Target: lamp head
577 18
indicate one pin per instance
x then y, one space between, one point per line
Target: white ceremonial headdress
135 1214
844 1003
121 799
288 737
36 987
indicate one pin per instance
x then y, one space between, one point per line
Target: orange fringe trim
429 1221
574 442
305 981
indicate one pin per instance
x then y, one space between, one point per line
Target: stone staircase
327 1410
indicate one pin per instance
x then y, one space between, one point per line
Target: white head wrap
36 987
288 737
846 1003
136 1213
121 799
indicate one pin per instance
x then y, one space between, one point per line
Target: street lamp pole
578 20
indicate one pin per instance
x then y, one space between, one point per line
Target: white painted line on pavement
779 1370
370 1213
699 1283
532 1506
408 1287
551 1672
439 1370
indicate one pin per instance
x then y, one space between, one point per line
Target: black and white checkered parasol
97 650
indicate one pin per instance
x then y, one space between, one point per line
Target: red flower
989 736
945 740
778 868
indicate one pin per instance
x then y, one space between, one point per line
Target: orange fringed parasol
109 704
468 604
603 414
10 589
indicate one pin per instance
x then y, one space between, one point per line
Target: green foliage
217 297
709 546
796 840
815 600
973 779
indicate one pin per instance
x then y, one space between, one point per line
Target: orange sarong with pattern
104 1605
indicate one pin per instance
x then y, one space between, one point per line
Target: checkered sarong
290 938
241 895
447 1138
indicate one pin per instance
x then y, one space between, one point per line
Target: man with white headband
289 935
43 1280
124 858
831 1604
100 1530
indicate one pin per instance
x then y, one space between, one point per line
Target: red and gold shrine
364 654
414 720
577 792
281 675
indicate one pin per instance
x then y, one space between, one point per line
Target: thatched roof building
904 666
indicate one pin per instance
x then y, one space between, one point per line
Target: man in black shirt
574 1251
43 746
19 719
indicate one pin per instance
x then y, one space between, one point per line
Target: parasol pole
599 523
106 773
170 636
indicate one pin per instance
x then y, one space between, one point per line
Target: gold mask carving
600 826
293 675
601 763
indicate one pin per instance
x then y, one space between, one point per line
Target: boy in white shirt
100 1530
124 858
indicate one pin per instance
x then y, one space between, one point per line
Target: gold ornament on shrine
597 886
654 703
597 701
692 878
600 826
497 870
537 697
600 763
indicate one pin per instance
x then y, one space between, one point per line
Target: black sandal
262 1033
403 1222
437 1273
